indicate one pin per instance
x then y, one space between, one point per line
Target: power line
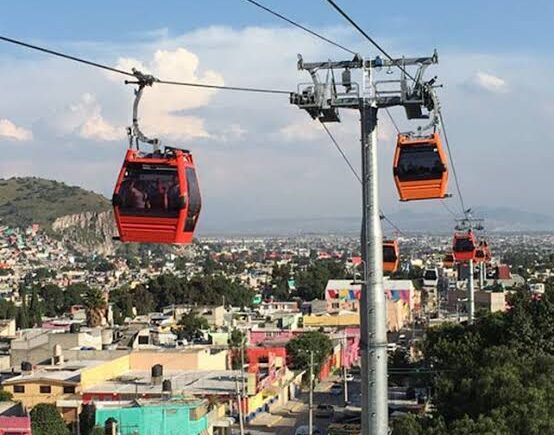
300 26
369 38
451 158
347 160
128 73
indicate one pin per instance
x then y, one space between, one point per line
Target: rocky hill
77 216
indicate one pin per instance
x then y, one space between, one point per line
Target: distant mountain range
82 216
501 219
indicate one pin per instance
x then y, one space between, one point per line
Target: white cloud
490 83
84 119
162 106
11 131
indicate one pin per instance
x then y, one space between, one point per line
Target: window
150 190
19 388
420 162
335 305
464 245
389 254
45 389
143 339
69 390
195 202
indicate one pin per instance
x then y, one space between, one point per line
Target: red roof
16 425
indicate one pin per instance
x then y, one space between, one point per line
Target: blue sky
259 157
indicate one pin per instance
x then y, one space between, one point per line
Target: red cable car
464 246
157 196
391 256
480 256
420 170
485 246
448 261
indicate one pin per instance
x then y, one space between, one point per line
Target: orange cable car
448 261
157 196
480 256
464 246
391 256
420 170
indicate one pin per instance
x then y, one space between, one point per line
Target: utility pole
322 99
344 371
239 403
470 295
311 399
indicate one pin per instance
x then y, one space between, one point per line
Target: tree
95 307
191 325
46 420
311 283
280 276
35 309
53 300
236 338
299 349
5 396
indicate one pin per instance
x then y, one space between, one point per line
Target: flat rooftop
186 382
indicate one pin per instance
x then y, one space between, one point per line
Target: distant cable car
480 256
485 246
448 261
391 256
420 170
464 246
430 277
157 196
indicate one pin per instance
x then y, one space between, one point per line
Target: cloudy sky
258 156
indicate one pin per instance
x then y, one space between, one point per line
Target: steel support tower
322 98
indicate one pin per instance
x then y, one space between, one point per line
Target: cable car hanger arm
135 132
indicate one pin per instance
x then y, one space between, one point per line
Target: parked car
324 411
336 389
305 430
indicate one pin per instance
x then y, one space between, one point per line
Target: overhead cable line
347 160
300 26
338 147
448 209
130 74
369 38
451 158
392 120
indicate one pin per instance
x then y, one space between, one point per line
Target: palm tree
95 304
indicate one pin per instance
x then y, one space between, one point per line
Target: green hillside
28 200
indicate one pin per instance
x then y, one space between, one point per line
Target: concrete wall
32 394
39 348
200 359
110 369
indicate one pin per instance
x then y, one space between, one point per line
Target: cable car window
389 254
150 190
420 162
195 202
464 245
430 275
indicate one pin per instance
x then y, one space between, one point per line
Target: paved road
292 419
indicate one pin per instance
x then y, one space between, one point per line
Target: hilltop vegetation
28 200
